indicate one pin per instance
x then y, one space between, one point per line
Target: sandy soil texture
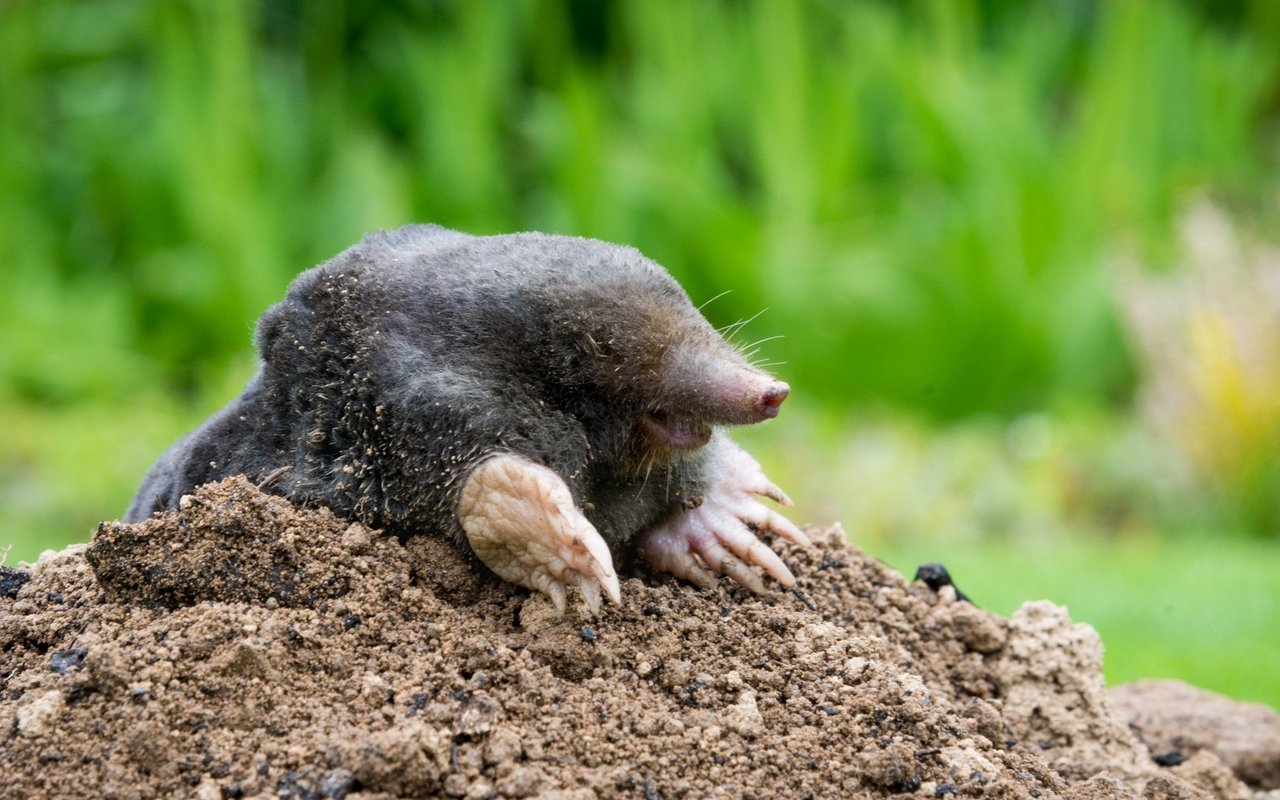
242 647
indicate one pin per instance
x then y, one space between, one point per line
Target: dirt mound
243 647
1176 721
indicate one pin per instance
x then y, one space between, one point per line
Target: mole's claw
785 528
776 495
752 478
611 587
699 575
753 551
741 573
591 593
601 558
558 599
520 519
603 572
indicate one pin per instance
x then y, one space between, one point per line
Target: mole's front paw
521 521
715 535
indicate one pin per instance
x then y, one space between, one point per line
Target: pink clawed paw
718 536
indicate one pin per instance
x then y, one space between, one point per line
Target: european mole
543 400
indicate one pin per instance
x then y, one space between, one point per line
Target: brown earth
1175 721
243 647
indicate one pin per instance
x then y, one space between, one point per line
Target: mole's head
634 353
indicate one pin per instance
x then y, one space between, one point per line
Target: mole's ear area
274 326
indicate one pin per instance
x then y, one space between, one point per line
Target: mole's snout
770 400
715 386
744 396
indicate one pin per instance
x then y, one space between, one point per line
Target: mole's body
544 400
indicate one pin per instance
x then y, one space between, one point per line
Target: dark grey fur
391 370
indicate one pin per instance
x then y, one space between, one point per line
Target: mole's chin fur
391 372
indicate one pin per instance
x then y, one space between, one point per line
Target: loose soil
244 647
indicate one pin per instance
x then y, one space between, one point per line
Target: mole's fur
389 372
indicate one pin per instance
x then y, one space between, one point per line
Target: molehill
243 647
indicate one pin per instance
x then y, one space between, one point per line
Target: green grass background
927 198
1198 611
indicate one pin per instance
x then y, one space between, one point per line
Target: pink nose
770 400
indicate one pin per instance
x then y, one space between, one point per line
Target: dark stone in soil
65 660
11 580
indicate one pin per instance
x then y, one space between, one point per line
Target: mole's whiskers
732 329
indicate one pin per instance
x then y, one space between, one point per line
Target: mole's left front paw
715 535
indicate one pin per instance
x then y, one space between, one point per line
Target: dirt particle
208 789
1172 758
503 746
479 714
12 580
337 784
38 716
523 781
64 661
744 717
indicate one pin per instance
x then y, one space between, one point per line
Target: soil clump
243 647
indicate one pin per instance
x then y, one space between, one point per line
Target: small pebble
11 580
337 784
64 661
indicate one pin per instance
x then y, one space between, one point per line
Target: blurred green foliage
919 193
925 196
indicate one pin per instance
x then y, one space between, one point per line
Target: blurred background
1018 260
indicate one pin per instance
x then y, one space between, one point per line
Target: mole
545 401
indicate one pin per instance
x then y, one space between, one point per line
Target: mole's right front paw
521 521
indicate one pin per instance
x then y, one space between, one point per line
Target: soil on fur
244 647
